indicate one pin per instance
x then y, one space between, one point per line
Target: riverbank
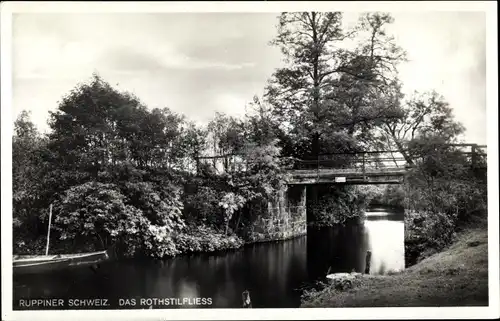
194 239
457 276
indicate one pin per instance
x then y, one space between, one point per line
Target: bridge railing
475 155
359 161
354 160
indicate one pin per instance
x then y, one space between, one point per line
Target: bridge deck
393 175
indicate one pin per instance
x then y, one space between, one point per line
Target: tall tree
309 95
27 180
25 143
84 137
226 136
260 125
368 84
97 131
193 143
423 116
296 91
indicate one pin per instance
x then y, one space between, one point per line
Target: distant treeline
386 195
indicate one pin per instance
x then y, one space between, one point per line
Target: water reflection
272 272
386 242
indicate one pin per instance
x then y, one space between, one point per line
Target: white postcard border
8 8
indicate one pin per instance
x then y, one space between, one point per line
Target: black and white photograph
249 159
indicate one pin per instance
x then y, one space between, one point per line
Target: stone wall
285 217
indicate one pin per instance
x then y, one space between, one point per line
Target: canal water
274 273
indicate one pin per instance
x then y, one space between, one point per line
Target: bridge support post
364 167
473 155
303 196
368 260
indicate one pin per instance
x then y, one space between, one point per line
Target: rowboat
29 264
32 264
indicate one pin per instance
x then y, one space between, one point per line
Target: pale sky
199 63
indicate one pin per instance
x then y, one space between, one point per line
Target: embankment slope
457 276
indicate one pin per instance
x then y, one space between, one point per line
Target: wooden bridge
374 167
364 167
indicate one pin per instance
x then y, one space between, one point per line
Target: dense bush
394 196
385 195
160 204
100 211
96 210
205 239
440 213
222 201
23 245
374 194
426 233
442 196
158 242
337 205
201 206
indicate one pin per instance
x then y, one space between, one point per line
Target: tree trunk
316 84
315 145
238 222
403 152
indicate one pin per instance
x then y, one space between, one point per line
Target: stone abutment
285 217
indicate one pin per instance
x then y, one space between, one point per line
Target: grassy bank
457 276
